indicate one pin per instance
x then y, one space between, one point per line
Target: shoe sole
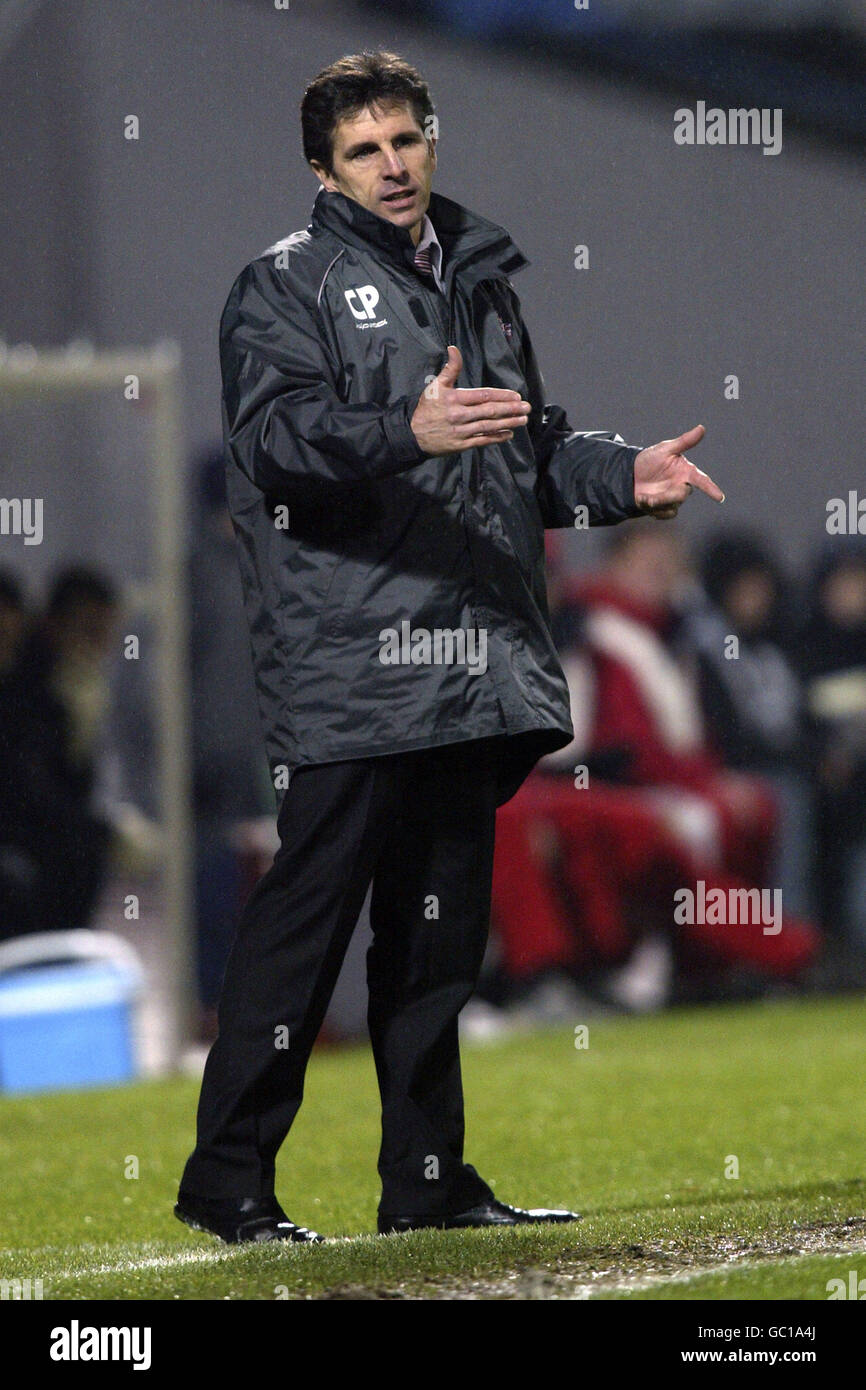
391 1230
228 1240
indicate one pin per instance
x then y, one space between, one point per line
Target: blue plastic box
64 1025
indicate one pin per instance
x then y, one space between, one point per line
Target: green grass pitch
643 1131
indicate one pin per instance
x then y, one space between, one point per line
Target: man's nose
394 166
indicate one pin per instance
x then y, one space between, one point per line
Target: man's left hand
663 476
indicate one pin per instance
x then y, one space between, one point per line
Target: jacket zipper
467 532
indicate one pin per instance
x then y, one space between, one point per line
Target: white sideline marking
188 1257
183 1257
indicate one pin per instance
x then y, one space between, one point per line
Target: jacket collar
469 242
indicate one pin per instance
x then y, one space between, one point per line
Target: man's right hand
448 418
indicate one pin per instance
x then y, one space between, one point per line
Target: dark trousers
420 827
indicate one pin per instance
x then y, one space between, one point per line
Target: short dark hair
729 555
349 85
76 585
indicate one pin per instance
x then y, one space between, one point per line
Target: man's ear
322 174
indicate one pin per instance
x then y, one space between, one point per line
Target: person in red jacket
639 805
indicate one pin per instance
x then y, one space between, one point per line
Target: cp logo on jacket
369 297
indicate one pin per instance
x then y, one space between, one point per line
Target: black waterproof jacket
356 548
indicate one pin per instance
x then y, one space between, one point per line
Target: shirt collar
429 238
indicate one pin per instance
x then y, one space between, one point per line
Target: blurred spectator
647 707
585 867
13 618
231 784
53 700
751 695
833 661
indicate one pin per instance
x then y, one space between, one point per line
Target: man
390 526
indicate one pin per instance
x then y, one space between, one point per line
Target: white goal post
28 374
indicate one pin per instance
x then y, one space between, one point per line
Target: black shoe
488 1213
241 1219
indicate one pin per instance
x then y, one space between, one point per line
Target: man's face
385 162
749 599
650 567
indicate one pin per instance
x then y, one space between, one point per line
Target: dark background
555 122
